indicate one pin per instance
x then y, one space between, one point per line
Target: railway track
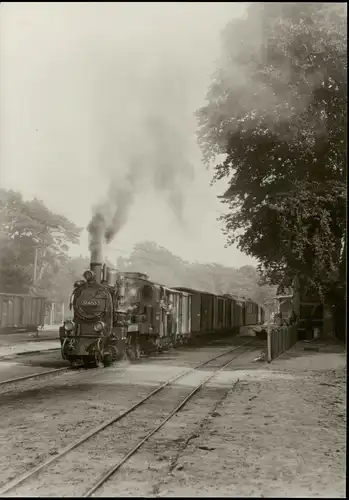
13 383
16 483
29 353
10 381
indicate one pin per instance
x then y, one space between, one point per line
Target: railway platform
280 432
13 344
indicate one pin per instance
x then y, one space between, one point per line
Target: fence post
269 343
284 344
52 313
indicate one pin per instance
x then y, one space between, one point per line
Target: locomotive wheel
157 344
93 362
87 362
134 351
138 350
107 360
73 362
116 354
98 361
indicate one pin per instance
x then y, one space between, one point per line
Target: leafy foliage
168 269
277 111
28 228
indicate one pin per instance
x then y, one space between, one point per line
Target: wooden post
62 312
328 326
35 266
269 341
52 315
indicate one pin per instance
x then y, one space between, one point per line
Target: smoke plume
147 150
96 229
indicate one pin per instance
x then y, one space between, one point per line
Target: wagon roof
176 290
191 290
23 295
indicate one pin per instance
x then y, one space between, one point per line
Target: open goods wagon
20 312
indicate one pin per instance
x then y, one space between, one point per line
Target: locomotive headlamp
68 326
98 327
89 275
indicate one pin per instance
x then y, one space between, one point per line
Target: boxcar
178 323
21 312
261 314
209 313
222 313
238 313
251 312
202 310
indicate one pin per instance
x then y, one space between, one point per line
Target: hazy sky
73 79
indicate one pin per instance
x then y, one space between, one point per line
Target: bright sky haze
76 78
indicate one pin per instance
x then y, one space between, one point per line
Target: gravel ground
8 351
255 430
278 431
46 416
12 344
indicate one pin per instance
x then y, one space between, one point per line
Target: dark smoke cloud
148 149
96 229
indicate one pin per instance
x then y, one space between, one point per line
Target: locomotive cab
140 298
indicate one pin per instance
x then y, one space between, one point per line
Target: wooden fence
281 339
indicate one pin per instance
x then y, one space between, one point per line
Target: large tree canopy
276 110
34 243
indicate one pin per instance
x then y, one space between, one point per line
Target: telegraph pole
35 266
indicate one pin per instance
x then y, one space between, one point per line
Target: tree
170 270
34 243
158 262
276 110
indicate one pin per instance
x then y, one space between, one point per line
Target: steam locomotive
124 314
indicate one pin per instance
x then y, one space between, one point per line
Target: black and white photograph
173 249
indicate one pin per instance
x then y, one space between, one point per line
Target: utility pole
35 266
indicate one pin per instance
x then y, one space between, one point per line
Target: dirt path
279 432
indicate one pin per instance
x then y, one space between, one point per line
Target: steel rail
19 480
33 375
117 466
14 355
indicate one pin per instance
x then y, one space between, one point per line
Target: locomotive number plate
89 303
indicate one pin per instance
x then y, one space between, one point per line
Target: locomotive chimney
96 262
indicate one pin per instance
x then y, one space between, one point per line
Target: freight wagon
20 312
251 312
220 313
